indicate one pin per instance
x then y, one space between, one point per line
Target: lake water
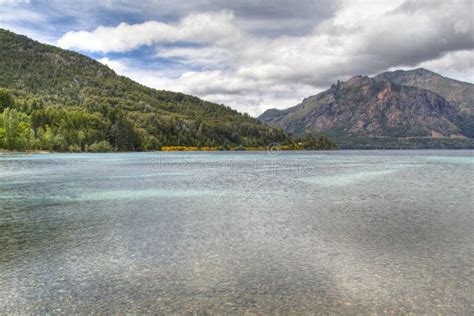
230 232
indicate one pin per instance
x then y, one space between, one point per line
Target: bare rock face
371 107
458 92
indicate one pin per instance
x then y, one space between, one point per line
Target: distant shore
270 148
163 149
13 152
35 152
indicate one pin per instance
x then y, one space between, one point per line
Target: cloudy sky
254 54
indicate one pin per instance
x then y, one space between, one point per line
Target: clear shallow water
343 231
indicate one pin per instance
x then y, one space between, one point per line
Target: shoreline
27 152
273 152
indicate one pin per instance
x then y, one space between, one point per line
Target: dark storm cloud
263 17
431 30
268 17
277 17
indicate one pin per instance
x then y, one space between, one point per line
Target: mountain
457 92
70 102
368 112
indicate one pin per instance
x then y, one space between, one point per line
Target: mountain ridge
364 108
63 94
459 92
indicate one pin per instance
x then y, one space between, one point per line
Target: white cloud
214 57
13 2
254 72
222 87
459 65
116 65
213 27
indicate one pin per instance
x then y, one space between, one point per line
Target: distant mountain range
399 109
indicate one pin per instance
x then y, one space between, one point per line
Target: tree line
27 123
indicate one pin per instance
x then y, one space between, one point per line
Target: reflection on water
348 231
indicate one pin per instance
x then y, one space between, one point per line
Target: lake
234 232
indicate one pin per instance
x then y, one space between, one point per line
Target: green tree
10 126
2 132
59 142
47 140
122 135
26 136
17 132
6 100
152 143
102 146
42 143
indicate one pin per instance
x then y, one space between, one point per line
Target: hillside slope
365 110
67 93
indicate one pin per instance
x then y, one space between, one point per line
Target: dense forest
53 99
27 124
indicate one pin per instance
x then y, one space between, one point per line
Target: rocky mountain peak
377 107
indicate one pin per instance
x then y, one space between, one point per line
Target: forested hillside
53 99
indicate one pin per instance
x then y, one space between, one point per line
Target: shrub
74 148
99 147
